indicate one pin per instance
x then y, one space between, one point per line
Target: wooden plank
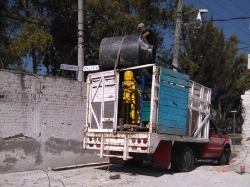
174 81
170 118
175 131
145 116
171 87
173 103
146 103
172 111
174 74
171 124
170 100
146 111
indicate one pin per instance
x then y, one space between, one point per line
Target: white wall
244 156
41 122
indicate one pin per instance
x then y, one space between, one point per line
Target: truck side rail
199 110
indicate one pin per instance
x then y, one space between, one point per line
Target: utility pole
177 34
80 40
233 127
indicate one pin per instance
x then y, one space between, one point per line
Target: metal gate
102 95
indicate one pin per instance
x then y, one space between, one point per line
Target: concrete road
204 174
115 175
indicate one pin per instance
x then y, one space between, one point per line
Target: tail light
134 148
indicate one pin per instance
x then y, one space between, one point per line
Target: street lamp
198 18
178 29
234 111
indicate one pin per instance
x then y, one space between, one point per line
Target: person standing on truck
150 36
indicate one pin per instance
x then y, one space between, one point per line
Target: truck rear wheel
225 157
185 159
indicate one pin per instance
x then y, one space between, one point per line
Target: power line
239 7
223 17
230 19
220 50
36 23
228 11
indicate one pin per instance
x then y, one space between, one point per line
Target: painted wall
243 158
41 122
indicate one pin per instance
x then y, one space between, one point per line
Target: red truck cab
218 147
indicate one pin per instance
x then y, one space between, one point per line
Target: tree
8 59
27 33
31 40
47 29
102 19
215 63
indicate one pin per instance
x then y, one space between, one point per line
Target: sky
225 9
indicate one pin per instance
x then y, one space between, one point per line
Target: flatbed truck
151 113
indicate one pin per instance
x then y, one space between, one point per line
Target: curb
235 151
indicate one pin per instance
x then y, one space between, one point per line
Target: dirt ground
203 175
206 173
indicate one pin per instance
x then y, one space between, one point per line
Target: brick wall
244 157
41 122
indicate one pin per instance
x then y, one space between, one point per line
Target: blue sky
225 9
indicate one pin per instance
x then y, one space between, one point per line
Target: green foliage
29 38
117 18
8 60
215 63
47 30
103 18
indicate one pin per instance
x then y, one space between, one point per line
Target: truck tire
225 157
185 159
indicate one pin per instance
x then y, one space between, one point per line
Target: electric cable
239 7
223 17
228 11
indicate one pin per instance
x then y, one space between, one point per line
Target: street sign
91 68
75 68
69 67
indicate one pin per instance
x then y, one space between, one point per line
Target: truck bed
176 109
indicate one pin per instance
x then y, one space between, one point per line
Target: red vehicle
218 147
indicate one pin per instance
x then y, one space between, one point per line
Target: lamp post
178 26
234 111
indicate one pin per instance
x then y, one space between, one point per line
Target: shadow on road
147 168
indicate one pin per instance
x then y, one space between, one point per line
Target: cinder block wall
243 159
41 122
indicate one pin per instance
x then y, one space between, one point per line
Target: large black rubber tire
225 157
185 159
